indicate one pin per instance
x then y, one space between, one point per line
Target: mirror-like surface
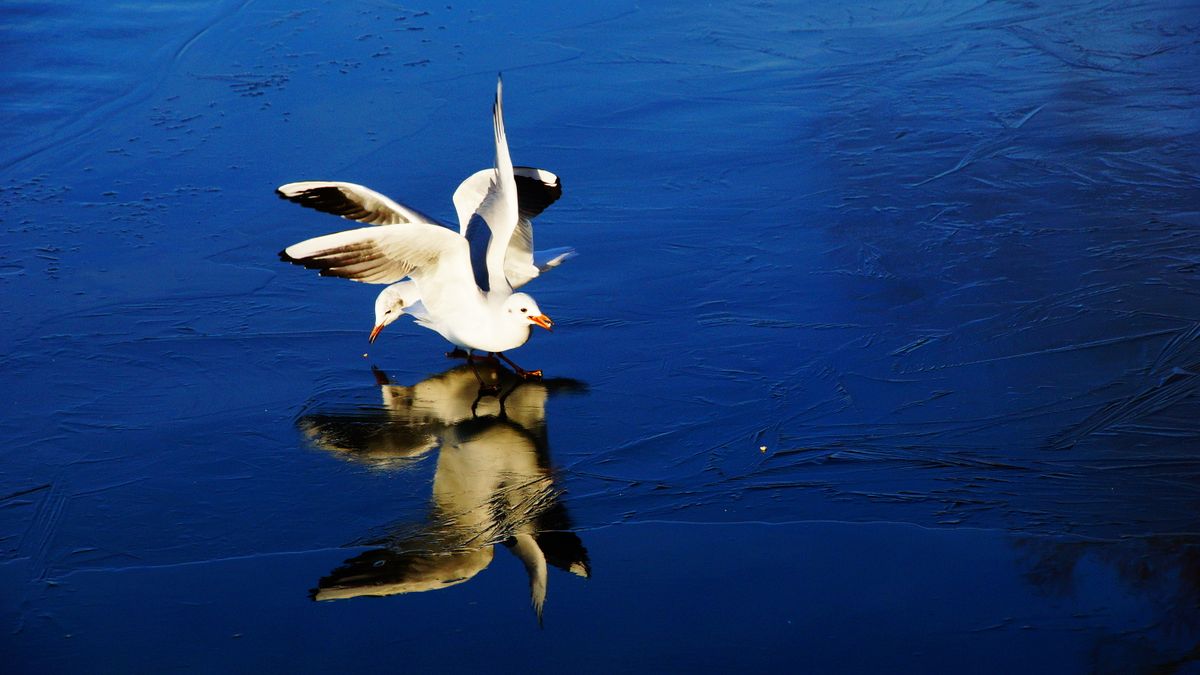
888 315
492 484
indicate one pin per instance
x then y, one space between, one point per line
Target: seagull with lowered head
461 283
536 190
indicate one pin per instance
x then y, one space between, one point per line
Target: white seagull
536 190
462 280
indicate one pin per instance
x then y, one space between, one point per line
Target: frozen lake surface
881 352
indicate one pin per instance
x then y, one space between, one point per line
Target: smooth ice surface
880 353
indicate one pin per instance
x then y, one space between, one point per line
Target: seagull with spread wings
536 190
460 284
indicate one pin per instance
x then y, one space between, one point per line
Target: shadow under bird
459 284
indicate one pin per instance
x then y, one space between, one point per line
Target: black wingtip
283 255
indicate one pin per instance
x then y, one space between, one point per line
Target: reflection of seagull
493 484
463 283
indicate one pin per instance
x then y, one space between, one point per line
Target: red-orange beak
375 333
543 321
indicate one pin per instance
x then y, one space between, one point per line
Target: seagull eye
523 310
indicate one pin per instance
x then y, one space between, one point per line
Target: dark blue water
881 352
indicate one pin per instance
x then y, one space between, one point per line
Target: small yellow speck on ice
762 448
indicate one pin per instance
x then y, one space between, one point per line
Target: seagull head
522 307
390 304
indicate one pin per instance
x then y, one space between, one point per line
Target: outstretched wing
490 227
536 190
350 201
387 254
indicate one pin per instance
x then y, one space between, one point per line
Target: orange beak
543 321
375 333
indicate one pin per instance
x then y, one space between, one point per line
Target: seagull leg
472 358
524 374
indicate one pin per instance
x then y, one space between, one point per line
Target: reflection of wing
563 548
368 436
387 572
525 547
350 201
493 484
565 551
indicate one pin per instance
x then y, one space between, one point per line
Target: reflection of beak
375 333
543 321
